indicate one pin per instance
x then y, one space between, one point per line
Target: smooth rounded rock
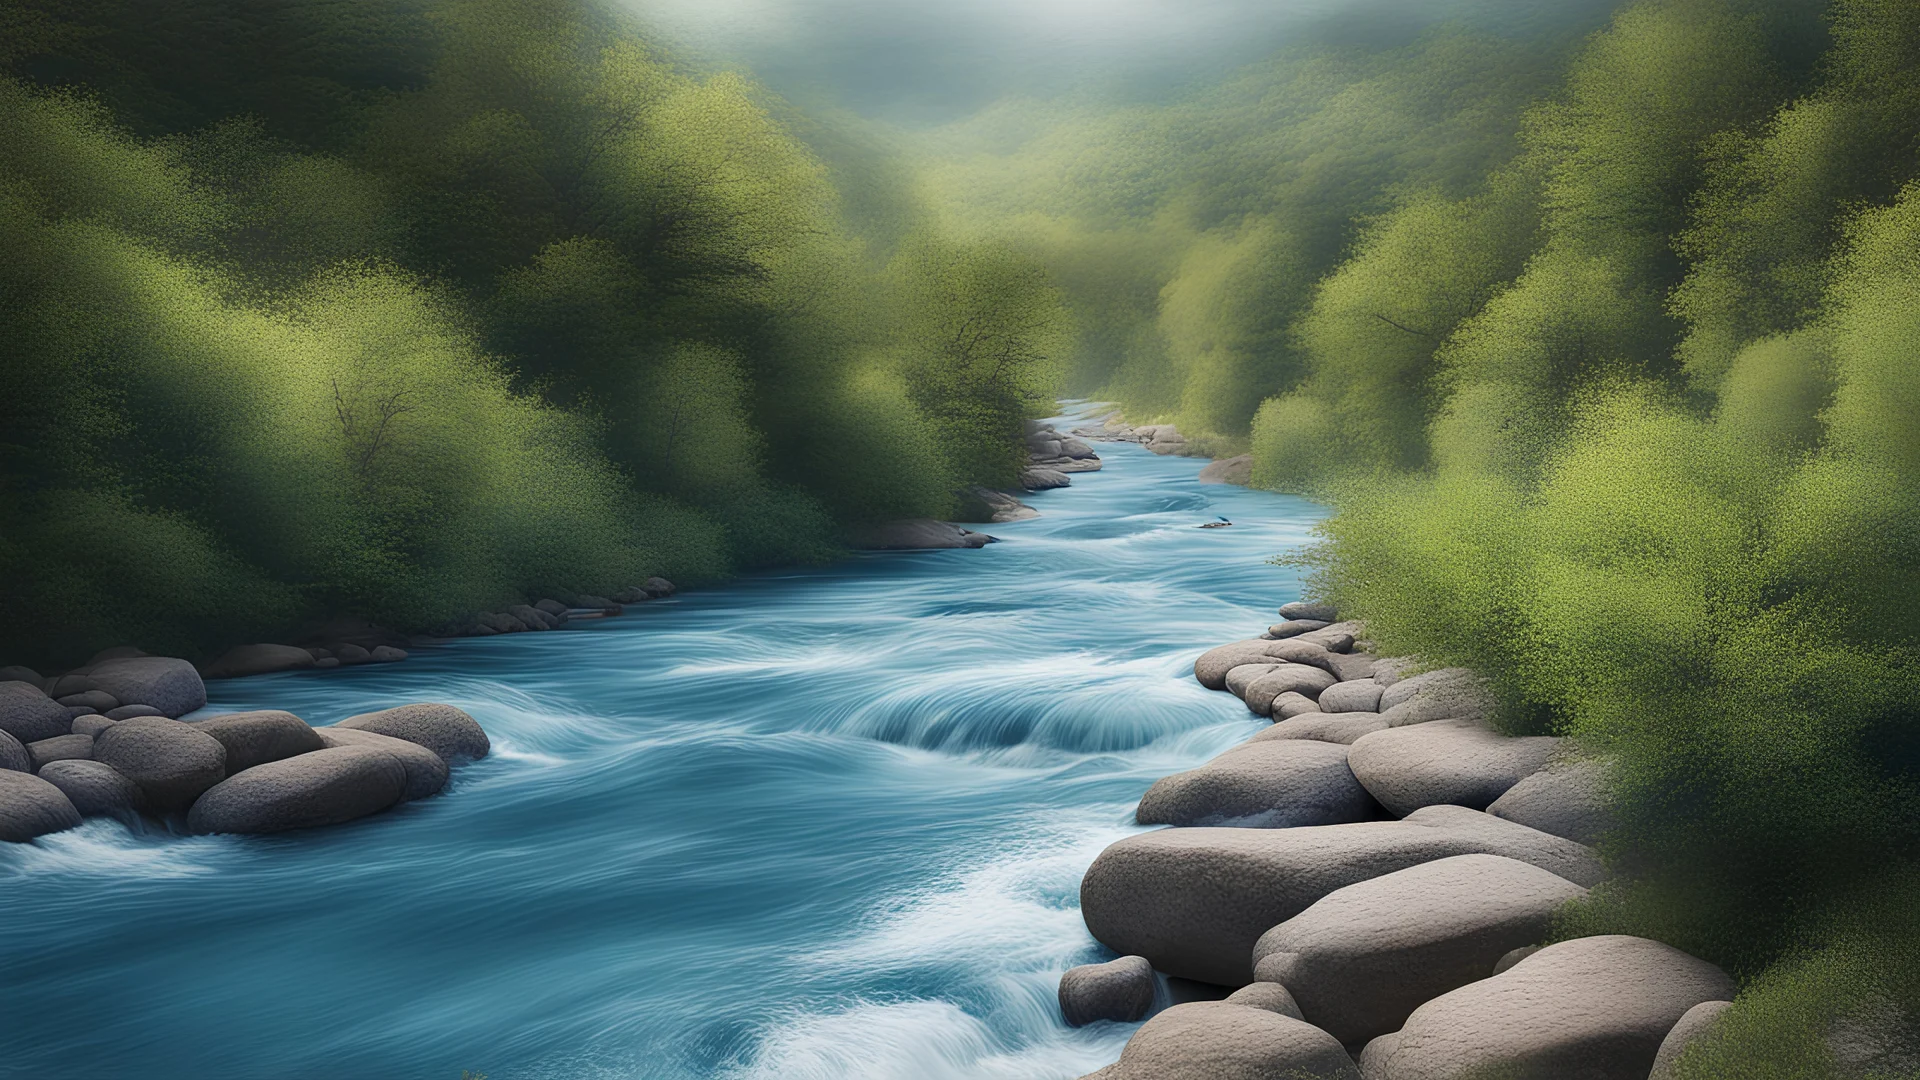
1363 957
1351 666
1212 666
1296 627
1361 695
1118 990
349 653
1567 798
442 729
244 660
1193 901
426 772
128 712
170 685
29 715
1447 694
1596 1008
30 807
173 762
60 748
1301 679
1270 996
95 787
1455 762
13 754
388 654
1243 676
1344 728
98 700
1219 1040
1306 609
1695 1023
255 738
1290 704
1266 785
325 787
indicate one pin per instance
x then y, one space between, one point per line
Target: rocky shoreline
1362 890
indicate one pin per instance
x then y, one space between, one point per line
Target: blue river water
827 823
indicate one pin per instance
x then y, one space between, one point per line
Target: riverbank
1368 884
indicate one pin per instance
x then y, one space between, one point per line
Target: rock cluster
248 772
1375 872
1053 457
1159 438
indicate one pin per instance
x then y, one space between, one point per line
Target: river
825 823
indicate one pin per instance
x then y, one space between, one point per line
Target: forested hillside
403 309
1603 347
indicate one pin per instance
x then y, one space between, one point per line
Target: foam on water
826 822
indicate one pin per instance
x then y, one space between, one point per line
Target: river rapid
825 823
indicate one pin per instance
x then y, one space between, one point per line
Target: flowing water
827 823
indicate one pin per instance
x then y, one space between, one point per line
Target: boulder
173 762
1696 1022
1296 627
552 607
1233 470
1262 785
1270 996
75 712
1460 762
657 587
1307 609
94 787
443 729
349 653
1360 695
426 772
1042 447
1363 957
94 700
597 603
1290 704
30 807
980 504
1075 465
60 748
255 738
244 660
1352 666
1567 798
1075 448
1219 1040
532 617
1446 694
1338 637
1596 1008
13 755
17 673
1118 990
1034 479
1343 728
1241 677
1212 666
29 715
917 535
386 654
327 663
128 712
92 725
325 787
1193 901
1301 679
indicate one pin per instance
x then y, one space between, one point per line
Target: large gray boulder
1213 666
1270 996
29 715
426 772
1193 901
30 807
94 787
1446 694
443 729
1595 1008
13 754
1336 637
1295 627
1290 704
917 535
1567 798
1039 479
1299 679
325 787
1308 609
1363 957
1360 695
170 686
244 660
1233 470
1345 728
1118 990
1242 677
60 748
173 762
1459 762
1219 1040
1697 1022
128 712
1266 785
255 738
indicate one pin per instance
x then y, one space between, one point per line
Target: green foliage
404 311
